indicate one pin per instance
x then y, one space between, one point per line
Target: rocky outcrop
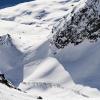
83 23
3 80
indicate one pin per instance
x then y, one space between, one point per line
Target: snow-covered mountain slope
80 59
41 16
10 60
7 93
27 60
83 23
12 94
38 13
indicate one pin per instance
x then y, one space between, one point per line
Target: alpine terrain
49 49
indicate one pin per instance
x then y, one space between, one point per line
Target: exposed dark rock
3 80
39 97
82 24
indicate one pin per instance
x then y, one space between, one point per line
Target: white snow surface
26 58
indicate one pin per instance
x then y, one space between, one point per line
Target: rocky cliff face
83 23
